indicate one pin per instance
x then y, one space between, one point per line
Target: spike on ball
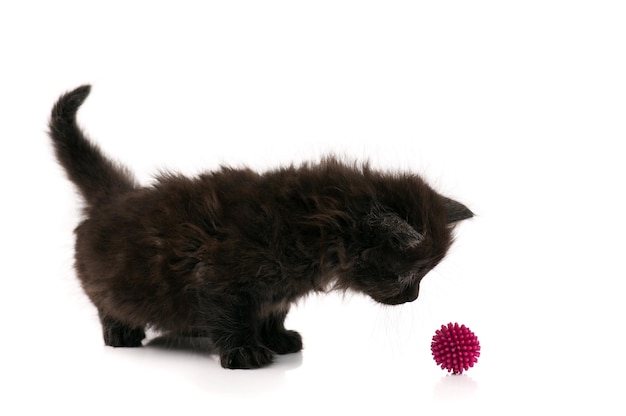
455 348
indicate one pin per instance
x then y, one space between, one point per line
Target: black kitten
224 255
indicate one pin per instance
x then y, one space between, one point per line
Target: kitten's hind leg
278 339
118 334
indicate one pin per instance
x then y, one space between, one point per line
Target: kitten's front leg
246 357
234 330
275 337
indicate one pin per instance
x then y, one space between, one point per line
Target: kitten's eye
406 277
413 275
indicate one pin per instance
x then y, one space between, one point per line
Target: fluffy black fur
225 254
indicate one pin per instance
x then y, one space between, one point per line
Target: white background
514 108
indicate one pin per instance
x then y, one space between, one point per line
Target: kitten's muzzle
408 295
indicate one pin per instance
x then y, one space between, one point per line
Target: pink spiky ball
455 348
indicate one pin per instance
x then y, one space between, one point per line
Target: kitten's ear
393 229
456 211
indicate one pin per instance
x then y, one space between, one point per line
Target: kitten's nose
410 297
407 296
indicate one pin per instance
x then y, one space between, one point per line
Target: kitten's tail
96 176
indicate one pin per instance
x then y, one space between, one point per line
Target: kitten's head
399 249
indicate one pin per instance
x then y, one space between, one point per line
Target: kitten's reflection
211 377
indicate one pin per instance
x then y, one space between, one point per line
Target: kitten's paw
254 356
118 334
284 342
123 337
